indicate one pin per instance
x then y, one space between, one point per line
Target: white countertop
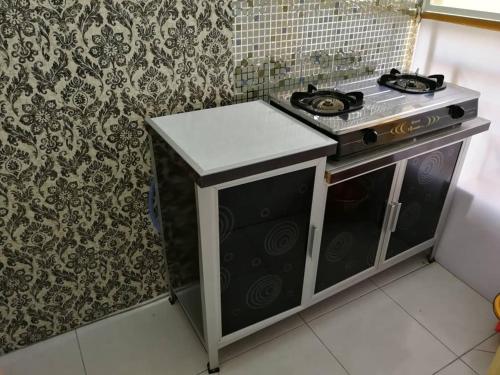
224 138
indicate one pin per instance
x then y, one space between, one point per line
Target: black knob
456 111
370 136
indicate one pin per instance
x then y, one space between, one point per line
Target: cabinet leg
430 255
213 360
214 370
172 298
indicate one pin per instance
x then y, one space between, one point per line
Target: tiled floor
412 319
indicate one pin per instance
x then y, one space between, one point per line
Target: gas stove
366 114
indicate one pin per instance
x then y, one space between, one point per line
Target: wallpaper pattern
76 80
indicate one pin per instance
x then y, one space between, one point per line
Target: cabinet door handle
395 216
312 235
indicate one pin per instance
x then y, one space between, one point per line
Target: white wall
468 56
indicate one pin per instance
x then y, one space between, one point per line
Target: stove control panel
405 128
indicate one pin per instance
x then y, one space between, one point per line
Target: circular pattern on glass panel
281 238
225 279
265 212
264 292
226 222
256 262
431 166
288 267
338 248
228 257
303 188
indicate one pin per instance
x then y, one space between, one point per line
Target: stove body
387 116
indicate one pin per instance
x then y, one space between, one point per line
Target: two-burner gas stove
371 113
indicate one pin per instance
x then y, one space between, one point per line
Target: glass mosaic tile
283 43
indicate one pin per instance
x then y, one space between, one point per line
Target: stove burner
327 102
412 83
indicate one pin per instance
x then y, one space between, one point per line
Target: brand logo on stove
404 128
400 129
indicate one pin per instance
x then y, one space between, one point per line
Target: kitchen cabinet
268 226
239 197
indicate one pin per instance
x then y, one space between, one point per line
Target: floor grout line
364 294
338 307
479 343
81 353
455 360
448 364
263 342
326 347
400 277
415 319
467 365
459 356
484 351
462 281
256 346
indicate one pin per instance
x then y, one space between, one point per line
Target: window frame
460 12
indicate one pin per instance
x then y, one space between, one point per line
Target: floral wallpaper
76 80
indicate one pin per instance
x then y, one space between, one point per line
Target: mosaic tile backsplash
283 43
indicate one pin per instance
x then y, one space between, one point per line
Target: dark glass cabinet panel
263 234
423 193
352 226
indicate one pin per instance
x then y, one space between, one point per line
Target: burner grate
412 83
327 102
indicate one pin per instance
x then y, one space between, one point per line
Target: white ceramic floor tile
480 361
260 337
400 270
456 368
297 352
373 335
153 339
56 356
338 300
451 310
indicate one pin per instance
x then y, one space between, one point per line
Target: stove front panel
409 127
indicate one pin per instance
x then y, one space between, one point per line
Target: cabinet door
352 226
263 234
423 193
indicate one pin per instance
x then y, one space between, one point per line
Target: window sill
461 20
